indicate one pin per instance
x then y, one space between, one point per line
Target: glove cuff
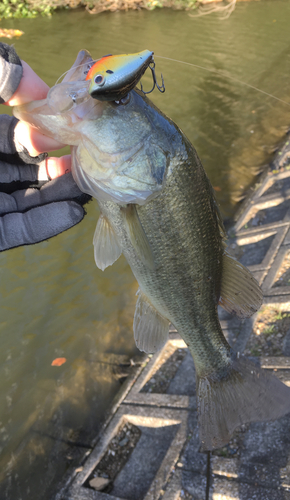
10 72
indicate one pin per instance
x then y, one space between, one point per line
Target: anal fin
106 246
240 291
150 328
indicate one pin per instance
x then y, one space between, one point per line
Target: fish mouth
116 91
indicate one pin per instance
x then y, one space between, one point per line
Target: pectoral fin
137 235
106 247
240 292
150 328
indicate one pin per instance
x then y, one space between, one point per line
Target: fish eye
99 80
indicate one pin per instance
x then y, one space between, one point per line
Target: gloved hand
32 206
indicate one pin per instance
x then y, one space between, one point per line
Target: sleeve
7 126
10 72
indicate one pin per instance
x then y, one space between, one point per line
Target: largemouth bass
158 209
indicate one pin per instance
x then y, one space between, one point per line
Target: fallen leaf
4 33
99 483
58 361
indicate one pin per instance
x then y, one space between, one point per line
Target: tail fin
246 394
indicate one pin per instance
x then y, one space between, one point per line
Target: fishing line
210 70
220 73
75 67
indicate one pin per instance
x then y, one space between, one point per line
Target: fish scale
183 234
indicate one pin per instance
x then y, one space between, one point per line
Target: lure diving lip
112 77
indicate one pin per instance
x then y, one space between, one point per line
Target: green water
54 302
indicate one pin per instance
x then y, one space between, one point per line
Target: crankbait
112 77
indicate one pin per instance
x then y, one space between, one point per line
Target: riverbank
31 8
148 448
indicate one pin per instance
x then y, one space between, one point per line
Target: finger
61 189
33 140
38 224
31 88
58 166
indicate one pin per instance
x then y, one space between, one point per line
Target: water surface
54 302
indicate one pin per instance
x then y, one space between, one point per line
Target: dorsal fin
217 215
240 292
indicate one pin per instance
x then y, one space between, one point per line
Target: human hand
32 206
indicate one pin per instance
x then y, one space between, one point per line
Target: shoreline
33 8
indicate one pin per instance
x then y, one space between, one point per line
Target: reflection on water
54 302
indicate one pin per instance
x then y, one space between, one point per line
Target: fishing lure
112 77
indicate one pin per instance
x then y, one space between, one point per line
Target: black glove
32 207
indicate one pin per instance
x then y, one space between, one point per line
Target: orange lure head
112 77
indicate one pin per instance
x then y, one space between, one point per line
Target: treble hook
162 88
